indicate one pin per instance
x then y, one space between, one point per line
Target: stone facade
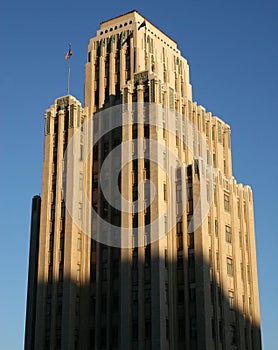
190 289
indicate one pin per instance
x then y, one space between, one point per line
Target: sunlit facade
190 289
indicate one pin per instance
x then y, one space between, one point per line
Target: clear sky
232 50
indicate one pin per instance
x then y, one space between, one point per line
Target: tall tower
175 269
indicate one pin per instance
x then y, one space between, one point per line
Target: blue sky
232 50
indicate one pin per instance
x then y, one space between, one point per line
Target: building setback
189 289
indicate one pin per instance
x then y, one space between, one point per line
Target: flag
69 53
143 24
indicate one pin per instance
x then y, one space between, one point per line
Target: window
79 211
103 303
79 241
213 328
248 274
95 181
210 258
240 240
147 293
165 225
81 152
78 270
80 181
147 255
229 266
193 328
148 329
217 262
221 331
95 152
166 258
232 333
219 132
104 271
105 209
181 328
164 129
228 233
180 259
179 241
192 292
165 192
226 202
191 257
209 224
134 330
77 305
167 328
216 228
231 299
180 294
105 149
50 274
60 277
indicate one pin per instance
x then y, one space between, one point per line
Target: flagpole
69 53
69 76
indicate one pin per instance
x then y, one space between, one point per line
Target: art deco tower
177 269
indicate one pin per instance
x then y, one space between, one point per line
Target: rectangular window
80 211
80 181
79 241
230 266
179 241
164 129
134 330
219 132
60 277
180 259
193 328
228 234
104 272
217 261
213 328
221 331
166 293
209 225
210 258
103 303
81 152
192 292
95 181
232 333
180 294
231 299
166 258
77 305
216 228
246 242
78 273
240 240
191 257
147 293
95 152
47 125
226 202
148 329
165 192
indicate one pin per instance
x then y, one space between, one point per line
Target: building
190 282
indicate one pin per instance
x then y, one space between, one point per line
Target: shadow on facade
154 304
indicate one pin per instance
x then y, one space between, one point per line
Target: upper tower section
126 46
